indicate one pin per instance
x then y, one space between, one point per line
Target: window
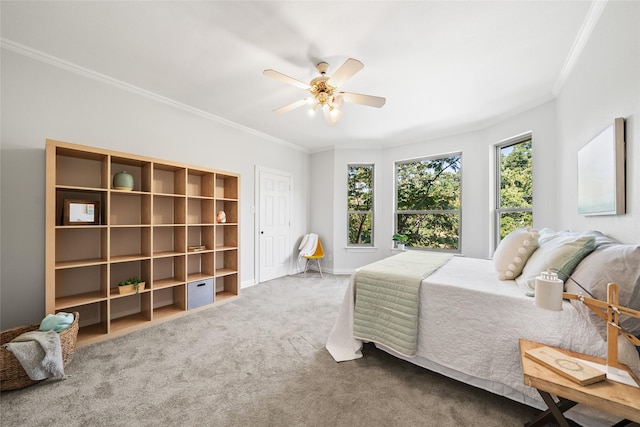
360 204
428 201
514 195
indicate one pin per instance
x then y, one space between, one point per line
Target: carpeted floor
257 361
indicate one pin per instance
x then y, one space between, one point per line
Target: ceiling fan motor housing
322 67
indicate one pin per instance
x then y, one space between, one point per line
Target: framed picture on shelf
81 212
601 173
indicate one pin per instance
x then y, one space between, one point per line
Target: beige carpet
258 361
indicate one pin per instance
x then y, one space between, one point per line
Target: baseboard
252 282
338 272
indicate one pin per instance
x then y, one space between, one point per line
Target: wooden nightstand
618 399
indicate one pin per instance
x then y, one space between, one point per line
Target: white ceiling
443 66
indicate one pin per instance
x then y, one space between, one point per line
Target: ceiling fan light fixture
321 91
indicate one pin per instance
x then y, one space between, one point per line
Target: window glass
428 202
514 187
360 204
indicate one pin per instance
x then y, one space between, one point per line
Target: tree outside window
360 204
428 203
514 187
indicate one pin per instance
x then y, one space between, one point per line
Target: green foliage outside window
428 202
360 204
516 187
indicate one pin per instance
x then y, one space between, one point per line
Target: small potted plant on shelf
131 285
401 240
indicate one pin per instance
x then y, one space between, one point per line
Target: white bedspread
469 326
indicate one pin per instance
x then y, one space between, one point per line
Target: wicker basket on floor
12 375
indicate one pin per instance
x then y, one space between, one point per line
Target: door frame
258 170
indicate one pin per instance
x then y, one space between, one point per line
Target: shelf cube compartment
130 209
129 243
169 210
226 262
226 287
230 208
169 179
81 245
79 286
201 211
169 301
200 183
200 265
129 312
168 240
81 169
201 236
168 271
93 321
226 236
125 270
64 195
226 186
140 170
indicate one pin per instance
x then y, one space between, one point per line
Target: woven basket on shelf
12 374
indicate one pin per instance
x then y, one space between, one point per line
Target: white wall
604 84
321 202
40 101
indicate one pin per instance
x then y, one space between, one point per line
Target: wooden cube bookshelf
146 232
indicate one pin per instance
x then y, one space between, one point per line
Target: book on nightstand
569 367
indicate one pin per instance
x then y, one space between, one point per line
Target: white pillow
610 263
558 253
514 250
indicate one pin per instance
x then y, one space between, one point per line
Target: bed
471 314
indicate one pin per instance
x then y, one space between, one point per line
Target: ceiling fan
324 90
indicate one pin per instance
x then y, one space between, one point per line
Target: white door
273 225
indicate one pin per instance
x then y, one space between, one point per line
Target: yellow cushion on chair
319 253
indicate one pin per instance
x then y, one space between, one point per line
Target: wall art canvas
601 173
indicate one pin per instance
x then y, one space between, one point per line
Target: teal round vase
123 181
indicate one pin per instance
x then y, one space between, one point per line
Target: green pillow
558 253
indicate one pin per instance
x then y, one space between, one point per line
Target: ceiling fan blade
331 116
284 78
291 106
338 101
356 98
345 72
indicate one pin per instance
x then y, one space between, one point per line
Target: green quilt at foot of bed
388 297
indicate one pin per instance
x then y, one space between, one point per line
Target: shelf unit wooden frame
144 232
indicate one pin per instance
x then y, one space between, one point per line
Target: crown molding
105 79
589 23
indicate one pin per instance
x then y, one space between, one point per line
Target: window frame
371 212
498 210
458 211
